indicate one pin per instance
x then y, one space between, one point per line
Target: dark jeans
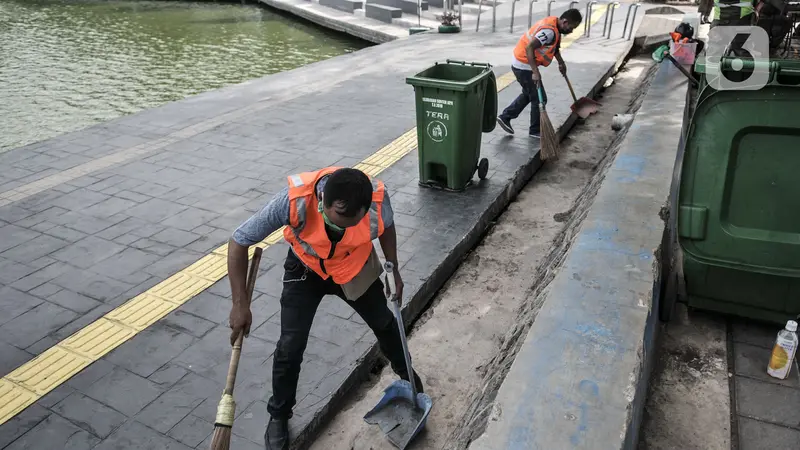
529 96
303 290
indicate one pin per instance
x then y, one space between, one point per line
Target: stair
343 5
410 6
382 12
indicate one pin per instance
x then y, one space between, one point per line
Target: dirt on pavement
688 403
464 344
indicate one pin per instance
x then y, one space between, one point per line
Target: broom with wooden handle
227 406
549 141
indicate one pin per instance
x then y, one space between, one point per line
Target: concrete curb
418 302
580 380
369 34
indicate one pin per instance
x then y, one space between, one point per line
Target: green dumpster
738 220
455 101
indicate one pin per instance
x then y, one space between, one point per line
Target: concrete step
472 3
472 8
343 5
382 13
414 21
410 6
392 3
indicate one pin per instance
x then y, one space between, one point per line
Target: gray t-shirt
275 214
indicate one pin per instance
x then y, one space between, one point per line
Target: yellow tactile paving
273 238
136 314
14 399
180 287
48 370
211 267
29 382
104 334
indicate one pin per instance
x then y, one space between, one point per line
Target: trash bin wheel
483 168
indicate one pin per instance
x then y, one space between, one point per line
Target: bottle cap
791 325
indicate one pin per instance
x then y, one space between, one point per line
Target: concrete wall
580 379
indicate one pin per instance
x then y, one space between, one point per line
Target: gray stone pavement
766 413
93 218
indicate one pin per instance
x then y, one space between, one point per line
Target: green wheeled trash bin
456 102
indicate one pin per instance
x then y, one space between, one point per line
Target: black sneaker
535 135
277 435
505 125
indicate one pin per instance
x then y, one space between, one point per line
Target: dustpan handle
571 91
398 315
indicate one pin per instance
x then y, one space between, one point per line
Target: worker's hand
537 78
240 320
398 287
563 69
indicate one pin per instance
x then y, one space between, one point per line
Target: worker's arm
533 45
388 242
562 66
263 223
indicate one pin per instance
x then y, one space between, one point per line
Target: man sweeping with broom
537 47
331 218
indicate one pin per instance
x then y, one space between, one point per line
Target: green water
68 64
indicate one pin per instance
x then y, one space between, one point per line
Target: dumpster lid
453 75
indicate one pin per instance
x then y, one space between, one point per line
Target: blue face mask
327 220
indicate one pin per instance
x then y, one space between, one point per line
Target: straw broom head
548 138
222 428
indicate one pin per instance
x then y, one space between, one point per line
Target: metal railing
494 16
635 8
480 8
609 22
587 27
513 8
530 12
571 5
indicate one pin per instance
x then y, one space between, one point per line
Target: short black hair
573 16
351 188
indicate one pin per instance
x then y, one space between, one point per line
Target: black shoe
418 382
505 125
277 435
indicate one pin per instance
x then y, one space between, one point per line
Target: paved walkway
112 256
766 409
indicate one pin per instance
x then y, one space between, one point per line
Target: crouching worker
331 217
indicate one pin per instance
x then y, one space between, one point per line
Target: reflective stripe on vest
544 55
343 260
746 8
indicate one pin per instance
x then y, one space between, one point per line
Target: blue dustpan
398 415
402 412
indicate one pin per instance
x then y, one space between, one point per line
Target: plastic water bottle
780 363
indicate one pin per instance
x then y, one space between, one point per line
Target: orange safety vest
306 231
544 55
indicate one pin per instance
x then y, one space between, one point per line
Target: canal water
68 64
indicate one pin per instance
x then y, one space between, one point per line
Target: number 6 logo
754 44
